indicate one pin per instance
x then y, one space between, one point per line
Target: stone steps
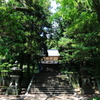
52 90
53 87
51 83
52 93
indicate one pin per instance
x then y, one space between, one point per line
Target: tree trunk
96 4
28 67
33 64
21 67
98 84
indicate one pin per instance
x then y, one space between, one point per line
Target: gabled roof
53 52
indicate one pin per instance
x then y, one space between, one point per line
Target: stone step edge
52 87
44 88
54 92
51 91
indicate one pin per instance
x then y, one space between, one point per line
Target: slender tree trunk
28 67
97 79
96 4
21 55
21 74
33 64
98 84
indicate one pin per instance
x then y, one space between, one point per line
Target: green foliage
77 33
22 32
22 26
96 98
4 67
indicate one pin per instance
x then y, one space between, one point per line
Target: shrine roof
53 52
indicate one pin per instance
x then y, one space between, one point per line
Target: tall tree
22 33
81 26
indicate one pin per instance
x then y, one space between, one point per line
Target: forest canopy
28 28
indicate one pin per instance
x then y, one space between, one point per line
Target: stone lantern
86 84
13 86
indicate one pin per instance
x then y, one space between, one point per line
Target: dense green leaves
78 22
21 24
22 33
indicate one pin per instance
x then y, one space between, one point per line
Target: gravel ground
48 97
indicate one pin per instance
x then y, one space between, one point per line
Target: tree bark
28 67
98 84
21 55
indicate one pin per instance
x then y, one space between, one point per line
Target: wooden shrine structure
51 62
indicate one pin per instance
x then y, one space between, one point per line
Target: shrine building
51 62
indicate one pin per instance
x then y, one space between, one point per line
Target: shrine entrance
51 63
50 68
